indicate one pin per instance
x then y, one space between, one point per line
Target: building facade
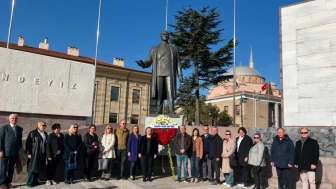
41 84
254 107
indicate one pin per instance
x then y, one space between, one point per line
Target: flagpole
95 69
167 16
10 24
234 64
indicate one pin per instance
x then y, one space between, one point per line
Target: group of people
228 155
209 154
44 151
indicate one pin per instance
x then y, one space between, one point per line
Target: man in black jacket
216 148
244 144
207 172
10 144
306 158
183 145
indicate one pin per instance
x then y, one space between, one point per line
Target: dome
243 71
273 84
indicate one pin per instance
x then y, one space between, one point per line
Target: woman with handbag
257 160
90 152
229 147
72 145
132 150
107 153
148 150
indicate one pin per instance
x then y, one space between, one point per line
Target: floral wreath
165 131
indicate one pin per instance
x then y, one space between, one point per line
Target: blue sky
129 28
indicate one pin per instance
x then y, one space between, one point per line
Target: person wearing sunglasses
282 157
257 160
229 147
306 158
36 147
72 144
55 151
107 151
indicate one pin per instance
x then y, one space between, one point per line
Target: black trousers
52 166
133 168
167 91
257 176
120 161
147 163
68 174
216 167
7 163
284 178
88 164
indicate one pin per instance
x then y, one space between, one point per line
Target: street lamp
255 98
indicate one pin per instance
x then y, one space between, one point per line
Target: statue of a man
166 64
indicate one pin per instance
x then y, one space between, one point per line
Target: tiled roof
64 56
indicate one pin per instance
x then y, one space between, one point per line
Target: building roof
243 71
65 56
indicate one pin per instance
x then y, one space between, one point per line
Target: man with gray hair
121 139
306 158
282 157
10 144
183 143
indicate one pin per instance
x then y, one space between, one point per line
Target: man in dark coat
166 65
183 144
282 157
244 144
207 172
10 144
216 148
306 158
36 147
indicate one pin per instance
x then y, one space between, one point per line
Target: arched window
249 80
243 79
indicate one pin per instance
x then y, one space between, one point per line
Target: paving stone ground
158 183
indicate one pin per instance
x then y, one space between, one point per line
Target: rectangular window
113 118
135 119
136 96
153 102
226 108
237 109
114 93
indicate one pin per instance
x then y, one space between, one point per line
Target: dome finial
251 59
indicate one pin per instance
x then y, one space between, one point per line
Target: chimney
119 62
73 51
21 41
45 44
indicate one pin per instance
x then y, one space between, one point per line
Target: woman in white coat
257 160
107 150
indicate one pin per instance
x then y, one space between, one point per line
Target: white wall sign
33 83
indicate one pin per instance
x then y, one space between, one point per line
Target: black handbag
233 161
103 164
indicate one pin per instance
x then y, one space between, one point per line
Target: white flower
163 120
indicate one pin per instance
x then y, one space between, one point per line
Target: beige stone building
122 93
258 108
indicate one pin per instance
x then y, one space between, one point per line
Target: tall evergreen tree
196 34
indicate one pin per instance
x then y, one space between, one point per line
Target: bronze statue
166 65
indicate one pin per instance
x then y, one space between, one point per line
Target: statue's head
164 36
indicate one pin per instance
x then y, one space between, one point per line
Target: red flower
165 136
